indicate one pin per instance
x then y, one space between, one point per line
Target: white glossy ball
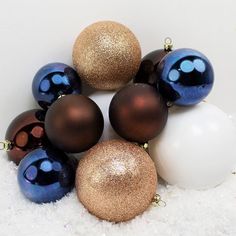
103 99
232 116
197 148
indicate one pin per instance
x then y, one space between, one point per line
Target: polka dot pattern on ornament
31 173
46 175
54 80
27 133
174 75
186 77
46 166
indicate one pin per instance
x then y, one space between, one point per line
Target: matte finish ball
106 55
26 133
138 113
54 80
46 175
74 123
116 180
186 77
147 72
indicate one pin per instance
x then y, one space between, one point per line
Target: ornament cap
168 44
157 201
144 146
5 145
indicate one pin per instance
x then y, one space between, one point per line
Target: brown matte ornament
116 180
107 55
74 123
26 133
138 113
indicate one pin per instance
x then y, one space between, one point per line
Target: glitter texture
106 55
116 180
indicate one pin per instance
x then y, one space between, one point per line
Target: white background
34 33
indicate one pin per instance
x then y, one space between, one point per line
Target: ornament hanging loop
144 146
168 45
157 201
5 145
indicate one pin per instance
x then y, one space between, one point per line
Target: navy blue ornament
46 175
186 77
54 80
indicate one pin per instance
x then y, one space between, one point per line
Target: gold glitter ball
116 180
106 55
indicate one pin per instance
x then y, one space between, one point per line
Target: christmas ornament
46 175
233 117
74 123
103 99
147 72
24 134
138 113
186 77
197 147
116 180
106 55
54 80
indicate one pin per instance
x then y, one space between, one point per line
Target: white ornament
103 99
197 148
232 116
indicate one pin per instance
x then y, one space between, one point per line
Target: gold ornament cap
116 180
106 55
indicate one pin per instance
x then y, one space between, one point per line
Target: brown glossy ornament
74 123
26 133
147 72
106 55
138 112
116 180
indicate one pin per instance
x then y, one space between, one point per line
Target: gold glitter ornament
106 55
116 180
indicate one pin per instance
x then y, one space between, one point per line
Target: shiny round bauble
106 55
147 72
74 123
116 180
46 175
26 133
197 147
138 113
103 99
54 80
186 77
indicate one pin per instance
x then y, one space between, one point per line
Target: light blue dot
44 85
46 166
173 75
187 66
65 80
199 65
31 173
56 166
56 79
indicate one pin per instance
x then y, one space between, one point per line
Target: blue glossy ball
46 175
54 80
186 77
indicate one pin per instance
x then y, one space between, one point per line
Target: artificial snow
187 213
